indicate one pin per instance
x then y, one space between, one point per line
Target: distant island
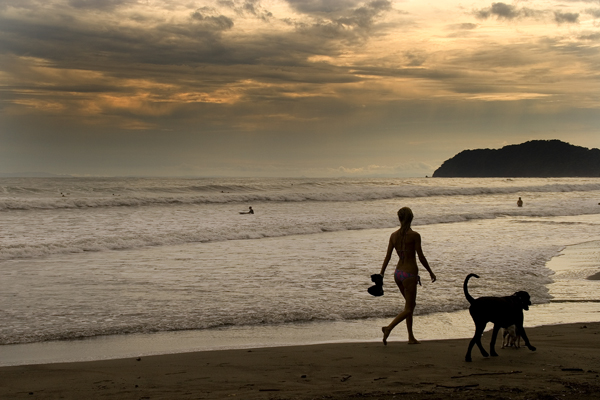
533 159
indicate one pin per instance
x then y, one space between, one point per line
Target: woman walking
408 246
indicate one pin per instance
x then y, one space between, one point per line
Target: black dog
502 311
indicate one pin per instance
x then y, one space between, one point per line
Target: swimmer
250 211
519 202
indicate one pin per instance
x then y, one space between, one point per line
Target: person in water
250 211
408 246
519 202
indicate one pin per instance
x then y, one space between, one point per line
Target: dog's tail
467 295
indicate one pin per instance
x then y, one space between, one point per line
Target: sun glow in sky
289 87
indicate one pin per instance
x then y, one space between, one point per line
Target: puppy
510 337
501 311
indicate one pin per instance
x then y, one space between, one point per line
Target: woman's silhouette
408 245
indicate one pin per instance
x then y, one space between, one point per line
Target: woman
407 244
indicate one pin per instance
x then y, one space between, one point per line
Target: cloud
594 12
298 77
220 22
508 12
104 5
415 58
340 19
566 18
352 26
505 11
466 26
322 6
591 36
248 7
365 16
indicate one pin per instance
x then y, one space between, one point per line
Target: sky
289 88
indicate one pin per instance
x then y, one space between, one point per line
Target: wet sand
565 365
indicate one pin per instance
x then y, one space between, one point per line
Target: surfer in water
250 211
407 244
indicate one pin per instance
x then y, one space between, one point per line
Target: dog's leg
479 334
521 333
493 341
479 328
505 338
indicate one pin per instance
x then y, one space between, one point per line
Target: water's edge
435 326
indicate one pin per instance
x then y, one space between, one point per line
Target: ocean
172 262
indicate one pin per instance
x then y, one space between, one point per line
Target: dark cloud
248 7
104 5
322 6
594 12
463 30
505 11
190 57
467 26
105 44
566 18
219 22
226 3
510 12
352 26
80 41
364 17
591 36
415 58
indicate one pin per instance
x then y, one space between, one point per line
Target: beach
566 365
160 289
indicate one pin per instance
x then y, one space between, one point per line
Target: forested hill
537 158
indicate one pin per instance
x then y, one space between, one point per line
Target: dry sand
566 365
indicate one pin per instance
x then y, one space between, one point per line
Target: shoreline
437 326
565 364
572 283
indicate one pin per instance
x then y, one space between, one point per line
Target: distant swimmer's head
405 215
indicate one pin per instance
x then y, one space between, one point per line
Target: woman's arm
388 255
422 258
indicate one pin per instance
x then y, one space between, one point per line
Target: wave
132 324
223 194
146 323
575 301
226 232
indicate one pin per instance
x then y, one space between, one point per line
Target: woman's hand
433 277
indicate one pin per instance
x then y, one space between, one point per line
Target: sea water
111 258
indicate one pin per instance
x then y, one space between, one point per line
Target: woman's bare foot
386 332
413 341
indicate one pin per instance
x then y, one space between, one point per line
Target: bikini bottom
400 276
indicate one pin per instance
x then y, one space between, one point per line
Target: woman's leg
410 295
408 288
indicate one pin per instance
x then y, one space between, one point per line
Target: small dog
510 337
502 312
